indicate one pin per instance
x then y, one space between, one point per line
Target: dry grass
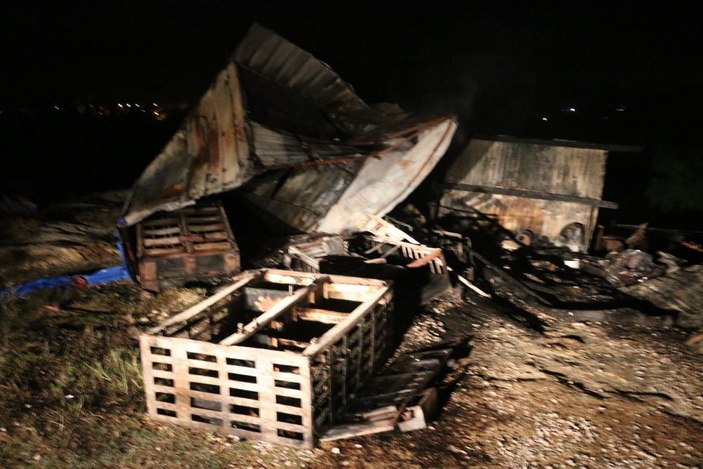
71 386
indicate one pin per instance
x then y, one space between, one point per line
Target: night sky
523 59
607 72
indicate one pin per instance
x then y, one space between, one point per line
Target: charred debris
281 145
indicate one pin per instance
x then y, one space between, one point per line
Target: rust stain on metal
222 145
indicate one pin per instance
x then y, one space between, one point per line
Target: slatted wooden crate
306 256
274 356
192 244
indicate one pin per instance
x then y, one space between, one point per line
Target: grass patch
71 387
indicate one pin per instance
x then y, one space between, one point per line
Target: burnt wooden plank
530 194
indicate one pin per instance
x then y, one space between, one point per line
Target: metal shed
544 186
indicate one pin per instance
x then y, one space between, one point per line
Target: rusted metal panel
535 186
297 113
276 149
301 197
208 155
310 83
383 183
339 198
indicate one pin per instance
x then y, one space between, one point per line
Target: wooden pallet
191 244
274 356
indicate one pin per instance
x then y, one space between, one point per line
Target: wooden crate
305 256
305 252
191 244
274 356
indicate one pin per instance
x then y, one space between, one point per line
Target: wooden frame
306 257
190 244
205 368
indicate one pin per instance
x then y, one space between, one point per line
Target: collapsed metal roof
275 106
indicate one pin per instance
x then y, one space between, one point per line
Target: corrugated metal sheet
276 106
336 199
301 197
275 149
208 155
491 167
279 65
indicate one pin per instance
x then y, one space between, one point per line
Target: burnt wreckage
295 356
315 155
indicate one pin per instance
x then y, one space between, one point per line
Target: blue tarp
99 277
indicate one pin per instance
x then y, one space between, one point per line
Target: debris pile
298 356
302 148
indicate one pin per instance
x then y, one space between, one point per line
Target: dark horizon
509 65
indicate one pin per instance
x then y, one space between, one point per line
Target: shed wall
548 169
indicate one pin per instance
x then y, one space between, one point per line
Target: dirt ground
582 394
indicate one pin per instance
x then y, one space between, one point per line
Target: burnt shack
533 188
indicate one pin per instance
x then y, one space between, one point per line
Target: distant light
572 109
154 104
156 113
119 105
545 119
129 105
136 105
57 108
620 109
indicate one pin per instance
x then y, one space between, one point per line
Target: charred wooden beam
529 194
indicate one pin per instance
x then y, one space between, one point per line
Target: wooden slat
162 374
287 392
205 237
290 377
267 361
165 405
201 209
203 219
242 280
162 252
170 241
331 336
210 380
171 230
240 370
532 194
209 227
161 388
293 427
324 316
197 246
160 222
263 320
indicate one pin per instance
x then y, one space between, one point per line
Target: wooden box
191 244
274 356
305 256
